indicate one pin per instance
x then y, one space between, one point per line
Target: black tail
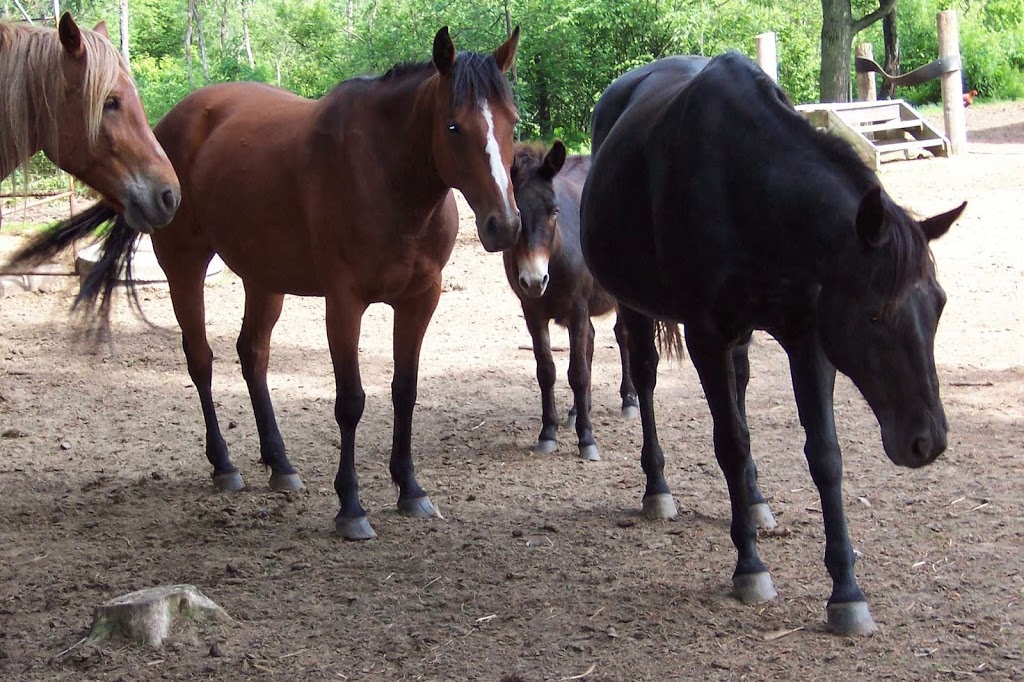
670 340
115 264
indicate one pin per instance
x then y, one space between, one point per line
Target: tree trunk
125 50
248 41
836 41
56 11
891 35
223 33
188 43
837 31
203 61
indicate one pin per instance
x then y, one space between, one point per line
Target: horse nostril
922 449
523 283
544 280
168 199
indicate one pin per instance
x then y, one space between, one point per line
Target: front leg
344 317
538 327
411 319
712 356
643 364
813 385
581 344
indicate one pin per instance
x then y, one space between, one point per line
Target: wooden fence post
766 54
952 84
866 80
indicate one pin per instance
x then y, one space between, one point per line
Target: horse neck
402 116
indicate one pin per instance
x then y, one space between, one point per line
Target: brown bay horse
347 197
68 93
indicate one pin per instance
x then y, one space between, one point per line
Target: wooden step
891 125
885 148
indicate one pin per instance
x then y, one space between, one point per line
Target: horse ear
71 36
444 52
871 218
554 160
936 226
101 28
505 55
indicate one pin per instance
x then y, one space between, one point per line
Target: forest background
569 52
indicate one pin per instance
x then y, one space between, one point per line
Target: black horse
712 202
546 271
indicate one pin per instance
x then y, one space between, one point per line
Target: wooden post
866 81
71 196
766 54
952 84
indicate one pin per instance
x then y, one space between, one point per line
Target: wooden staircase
878 130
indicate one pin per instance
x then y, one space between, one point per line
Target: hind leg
759 508
411 319
186 275
262 310
630 404
643 364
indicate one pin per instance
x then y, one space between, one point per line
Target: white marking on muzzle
494 154
532 272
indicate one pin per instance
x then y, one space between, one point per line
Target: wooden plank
884 112
885 148
891 125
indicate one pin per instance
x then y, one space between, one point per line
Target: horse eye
112 104
453 127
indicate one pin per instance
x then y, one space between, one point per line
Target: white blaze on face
494 154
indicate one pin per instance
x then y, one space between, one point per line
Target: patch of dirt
542 568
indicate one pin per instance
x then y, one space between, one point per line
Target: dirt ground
542 568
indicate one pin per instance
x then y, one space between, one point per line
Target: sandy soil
542 568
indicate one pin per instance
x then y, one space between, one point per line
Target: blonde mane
32 87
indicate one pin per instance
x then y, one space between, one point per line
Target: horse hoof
590 453
762 516
751 588
229 482
419 508
630 411
850 618
286 483
545 447
660 507
354 529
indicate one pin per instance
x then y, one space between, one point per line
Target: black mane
474 77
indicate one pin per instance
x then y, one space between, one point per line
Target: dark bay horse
546 271
68 93
712 202
349 198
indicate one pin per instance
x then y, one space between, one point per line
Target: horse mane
32 85
527 158
474 77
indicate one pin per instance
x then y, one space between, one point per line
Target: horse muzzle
497 231
533 276
918 447
150 207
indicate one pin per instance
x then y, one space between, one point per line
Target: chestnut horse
348 197
712 202
68 93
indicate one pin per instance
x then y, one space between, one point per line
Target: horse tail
670 339
95 295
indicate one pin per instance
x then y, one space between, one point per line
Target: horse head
533 174
877 319
102 135
474 119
